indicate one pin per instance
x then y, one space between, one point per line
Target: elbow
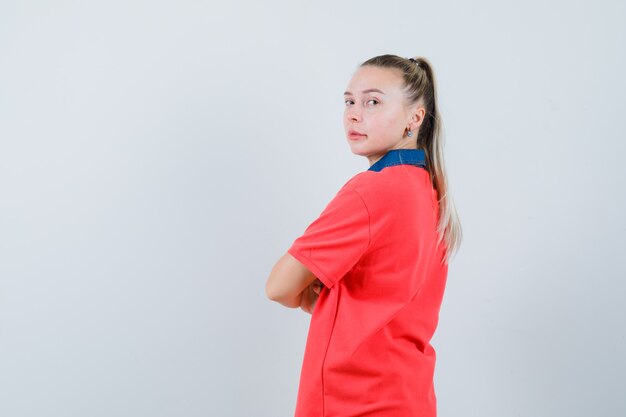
274 294
280 285
272 291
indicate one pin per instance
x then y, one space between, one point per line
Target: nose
353 115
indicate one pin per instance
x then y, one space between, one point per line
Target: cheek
387 122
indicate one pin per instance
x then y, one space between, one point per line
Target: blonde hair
420 84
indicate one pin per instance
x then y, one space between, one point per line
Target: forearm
293 302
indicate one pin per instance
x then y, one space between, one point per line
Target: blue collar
393 157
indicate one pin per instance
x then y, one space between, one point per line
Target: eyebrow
369 90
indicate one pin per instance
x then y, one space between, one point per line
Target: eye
373 100
346 101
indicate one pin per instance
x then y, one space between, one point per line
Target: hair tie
414 60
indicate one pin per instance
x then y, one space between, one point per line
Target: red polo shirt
368 349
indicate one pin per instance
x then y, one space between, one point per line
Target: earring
409 133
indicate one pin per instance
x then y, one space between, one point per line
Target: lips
355 135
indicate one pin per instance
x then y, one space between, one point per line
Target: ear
417 112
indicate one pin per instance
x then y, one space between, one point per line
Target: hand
310 295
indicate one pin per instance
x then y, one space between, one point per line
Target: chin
358 150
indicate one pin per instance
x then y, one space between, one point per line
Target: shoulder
389 181
358 180
360 184
392 184
367 189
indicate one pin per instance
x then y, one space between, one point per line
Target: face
376 115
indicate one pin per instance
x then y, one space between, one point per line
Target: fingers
310 296
317 286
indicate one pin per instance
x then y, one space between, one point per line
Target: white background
157 158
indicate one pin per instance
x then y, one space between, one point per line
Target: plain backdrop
157 158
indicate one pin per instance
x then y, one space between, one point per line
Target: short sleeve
336 240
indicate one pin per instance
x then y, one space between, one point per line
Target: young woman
372 268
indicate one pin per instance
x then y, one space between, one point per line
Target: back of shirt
375 249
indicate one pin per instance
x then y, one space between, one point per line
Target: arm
310 296
287 281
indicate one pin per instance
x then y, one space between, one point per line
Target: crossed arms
291 284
